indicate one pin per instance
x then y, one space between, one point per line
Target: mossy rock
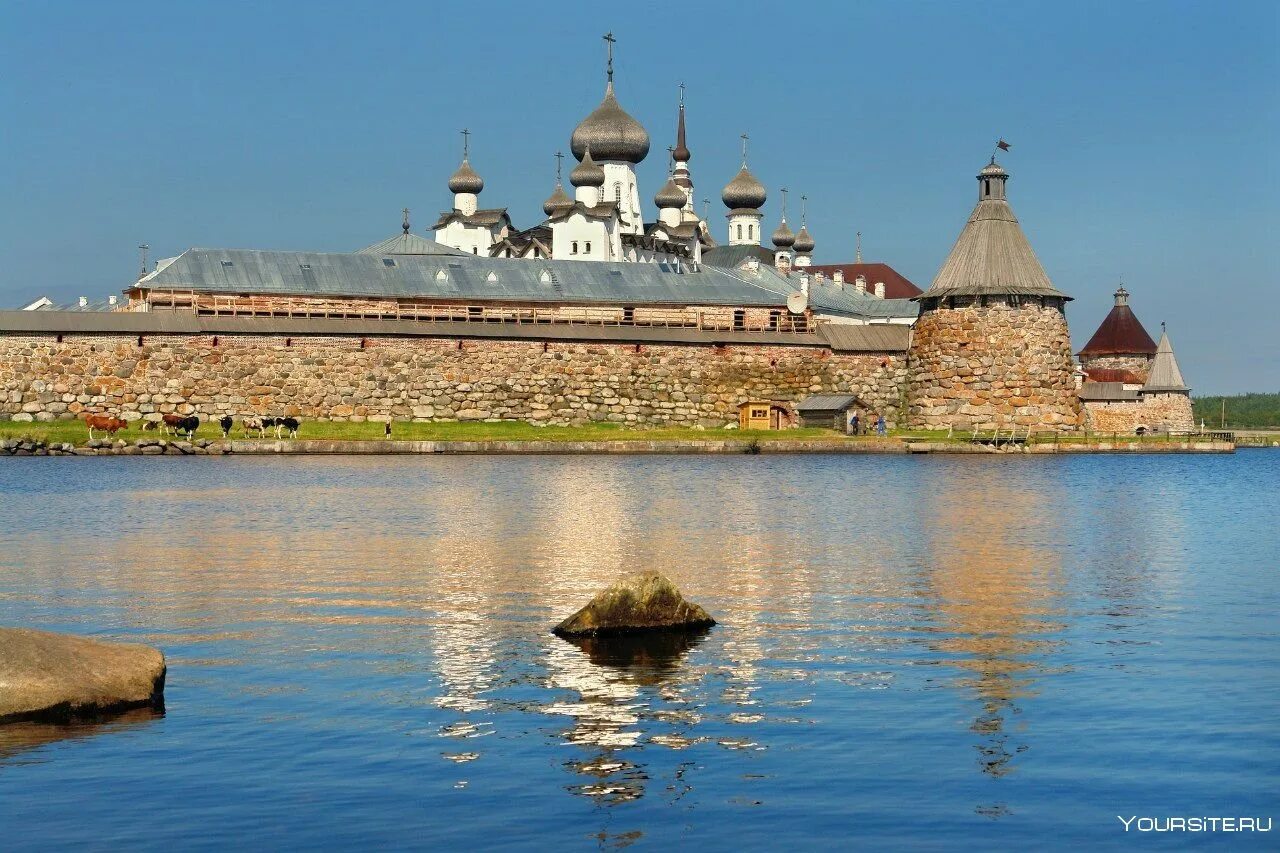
636 603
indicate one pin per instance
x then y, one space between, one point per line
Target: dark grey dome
557 202
804 241
465 180
588 173
670 195
783 238
744 191
610 133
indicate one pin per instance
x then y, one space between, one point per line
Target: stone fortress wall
1165 413
993 366
45 377
1138 365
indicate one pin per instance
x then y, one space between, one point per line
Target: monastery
597 314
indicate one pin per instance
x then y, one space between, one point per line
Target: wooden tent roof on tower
992 256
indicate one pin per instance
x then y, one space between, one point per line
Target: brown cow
107 423
172 423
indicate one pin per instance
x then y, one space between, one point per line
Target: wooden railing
711 319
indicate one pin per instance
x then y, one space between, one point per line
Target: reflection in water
619 681
994 583
328 610
18 738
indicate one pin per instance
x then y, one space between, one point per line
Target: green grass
75 432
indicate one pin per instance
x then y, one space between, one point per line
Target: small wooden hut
764 414
830 411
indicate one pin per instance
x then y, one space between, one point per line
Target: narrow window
739 320
628 314
617 192
475 250
751 232
739 230
588 248
574 248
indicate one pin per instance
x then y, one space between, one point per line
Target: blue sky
1145 135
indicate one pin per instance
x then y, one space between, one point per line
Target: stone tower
991 349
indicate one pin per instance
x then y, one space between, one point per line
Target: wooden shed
830 411
763 414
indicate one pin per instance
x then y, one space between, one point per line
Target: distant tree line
1244 411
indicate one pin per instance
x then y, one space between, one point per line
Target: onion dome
611 133
670 195
783 238
681 152
588 173
558 201
993 168
744 191
465 180
803 242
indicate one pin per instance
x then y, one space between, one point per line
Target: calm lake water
929 652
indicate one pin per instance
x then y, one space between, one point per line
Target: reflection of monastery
986 346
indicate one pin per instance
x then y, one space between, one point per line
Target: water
930 652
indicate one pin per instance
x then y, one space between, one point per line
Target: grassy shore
75 432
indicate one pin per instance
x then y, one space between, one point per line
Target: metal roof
1120 332
826 402
465 277
409 244
732 256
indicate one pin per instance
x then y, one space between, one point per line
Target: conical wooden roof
1164 375
992 256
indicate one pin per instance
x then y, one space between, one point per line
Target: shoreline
635 446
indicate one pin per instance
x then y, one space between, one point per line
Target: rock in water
644 601
56 676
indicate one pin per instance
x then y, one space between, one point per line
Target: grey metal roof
466 277
878 337
409 244
1164 374
732 256
188 322
1106 392
826 402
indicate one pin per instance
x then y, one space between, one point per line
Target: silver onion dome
804 241
610 133
993 168
744 191
783 238
465 180
588 173
670 195
557 202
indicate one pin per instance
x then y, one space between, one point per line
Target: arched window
739 230
587 250
617 191
751 232
574 249
475 250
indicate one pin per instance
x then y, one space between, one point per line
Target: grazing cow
290 424
150 425
225 422
254 423
107 423
171 423
187 425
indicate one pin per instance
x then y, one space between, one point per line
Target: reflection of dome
465 180
670 195
783 238
588 173
804 241
744 191
610 133
558 201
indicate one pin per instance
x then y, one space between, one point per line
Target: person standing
854 423
387 432
881 430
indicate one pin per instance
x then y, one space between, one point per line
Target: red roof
1112 374
896 285
1120 332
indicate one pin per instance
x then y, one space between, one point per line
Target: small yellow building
763 414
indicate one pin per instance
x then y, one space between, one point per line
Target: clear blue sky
1145 135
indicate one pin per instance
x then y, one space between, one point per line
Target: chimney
111 300
837 278
753 264
879 290
860 284
783 263
84 302
819 278
804 283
